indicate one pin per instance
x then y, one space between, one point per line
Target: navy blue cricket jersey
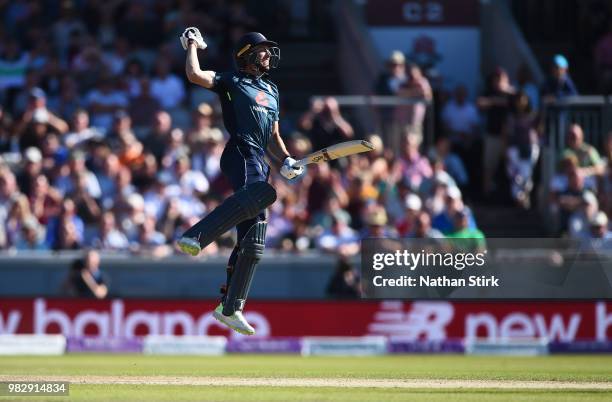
250 107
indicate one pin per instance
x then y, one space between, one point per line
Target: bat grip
300 163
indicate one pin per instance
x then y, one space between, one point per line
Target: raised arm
192 68
192 40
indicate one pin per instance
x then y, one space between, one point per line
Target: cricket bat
336 151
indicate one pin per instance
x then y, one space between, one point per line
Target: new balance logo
424 320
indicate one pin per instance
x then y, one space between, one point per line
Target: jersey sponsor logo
261 98
259 109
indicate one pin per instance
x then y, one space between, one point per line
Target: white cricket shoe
236 321
189 245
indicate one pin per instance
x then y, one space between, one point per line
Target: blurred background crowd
103 143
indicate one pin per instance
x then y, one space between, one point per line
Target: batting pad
242 205
252 247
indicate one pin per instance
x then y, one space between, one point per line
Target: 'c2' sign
416 12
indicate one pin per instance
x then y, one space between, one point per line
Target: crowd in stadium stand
104 145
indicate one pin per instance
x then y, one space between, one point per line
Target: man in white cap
32 167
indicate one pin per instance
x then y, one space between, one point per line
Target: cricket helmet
245 55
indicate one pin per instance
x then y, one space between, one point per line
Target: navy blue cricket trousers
243 165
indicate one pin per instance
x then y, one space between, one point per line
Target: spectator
280 220
307 119
344 284
339 238
120 129
45 200
559 84
559 182
108 236
460 118
19 212
414 167
329 126
390 81
54 154
146 173
149 240
171 219
202 128
134 75
417 89
32 168
496 103
155 140
86 206
445 221
589 161
68 237
166 87
331 211
130 151
58 226
88 65
76 167
413 207
8 140
527 85
85 278
81 132
104 101
132 215
324 182
600 231
473 238
175 148
360 193
206 154
579 221
8 190
37 120
452 163
32 237
142 107
107 178
69 100
569 200
123 186
181 179
376 223
115 59
523 150
422 228
22 97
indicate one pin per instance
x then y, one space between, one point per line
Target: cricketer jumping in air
250 105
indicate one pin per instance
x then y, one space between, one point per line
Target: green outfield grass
566 369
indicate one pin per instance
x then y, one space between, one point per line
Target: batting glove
289 171
195 35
